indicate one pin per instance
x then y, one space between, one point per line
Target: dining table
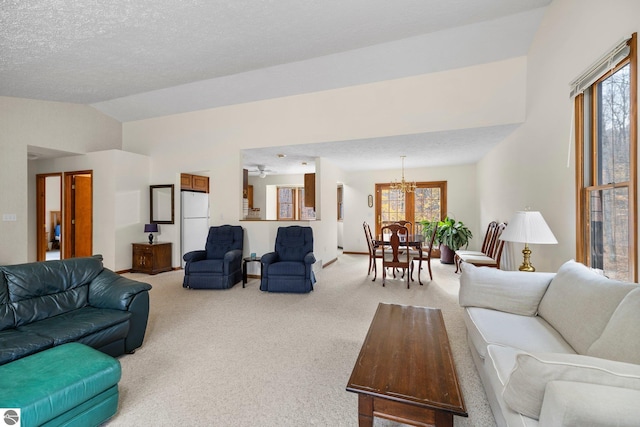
412 240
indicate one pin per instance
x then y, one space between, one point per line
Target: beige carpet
241 357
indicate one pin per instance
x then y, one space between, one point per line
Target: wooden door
77 235
427 202
390 206
40 218
83 215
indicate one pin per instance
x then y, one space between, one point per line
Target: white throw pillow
525 388
509 291
573 404
620 340
579 304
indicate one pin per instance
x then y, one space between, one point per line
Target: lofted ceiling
146 58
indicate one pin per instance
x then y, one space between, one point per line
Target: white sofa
557 349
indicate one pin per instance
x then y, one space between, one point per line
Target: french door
427 202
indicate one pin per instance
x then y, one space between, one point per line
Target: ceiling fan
260 171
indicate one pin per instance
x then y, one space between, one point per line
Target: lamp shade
151 228
528 227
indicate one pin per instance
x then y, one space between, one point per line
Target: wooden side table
244 268
151 258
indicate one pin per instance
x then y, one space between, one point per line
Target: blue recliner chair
219 266
289 268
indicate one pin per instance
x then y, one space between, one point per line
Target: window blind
605 63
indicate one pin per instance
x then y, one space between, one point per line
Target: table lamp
151 228
528 227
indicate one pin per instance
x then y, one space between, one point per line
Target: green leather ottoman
69 385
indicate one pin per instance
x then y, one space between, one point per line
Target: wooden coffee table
405 370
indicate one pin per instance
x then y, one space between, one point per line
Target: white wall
484 95
327 177
120 201
478 96
52 125
131 205
529 169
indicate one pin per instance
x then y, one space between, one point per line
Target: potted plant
427 229
451 236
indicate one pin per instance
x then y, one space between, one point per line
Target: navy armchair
219 266
290 267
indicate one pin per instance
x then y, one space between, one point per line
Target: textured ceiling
147 58
89 51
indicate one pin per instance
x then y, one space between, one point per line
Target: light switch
9 217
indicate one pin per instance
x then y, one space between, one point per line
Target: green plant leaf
453 234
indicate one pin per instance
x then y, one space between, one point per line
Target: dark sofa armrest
195 256
232 261
269 258
233 255
111 290
309 258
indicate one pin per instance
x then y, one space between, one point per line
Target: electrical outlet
9 217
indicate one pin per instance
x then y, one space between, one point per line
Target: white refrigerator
194 222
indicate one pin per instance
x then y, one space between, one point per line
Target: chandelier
403 186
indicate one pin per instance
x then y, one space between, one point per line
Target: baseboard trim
329 263
355 253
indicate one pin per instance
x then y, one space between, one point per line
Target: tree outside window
427 202
606 147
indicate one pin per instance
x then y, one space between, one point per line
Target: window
427 202
606 172
286 196
291 205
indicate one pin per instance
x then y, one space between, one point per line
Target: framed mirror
161 202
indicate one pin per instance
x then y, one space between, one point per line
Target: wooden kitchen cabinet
151 258
245 183
250 196
185 181
310 190
190 182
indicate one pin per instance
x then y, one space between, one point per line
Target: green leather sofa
46 304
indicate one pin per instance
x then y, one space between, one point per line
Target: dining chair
392 254
407 224
424 254
375 252
494 254
487 246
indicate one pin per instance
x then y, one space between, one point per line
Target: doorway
49 216
77 230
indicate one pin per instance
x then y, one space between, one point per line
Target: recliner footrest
72 383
